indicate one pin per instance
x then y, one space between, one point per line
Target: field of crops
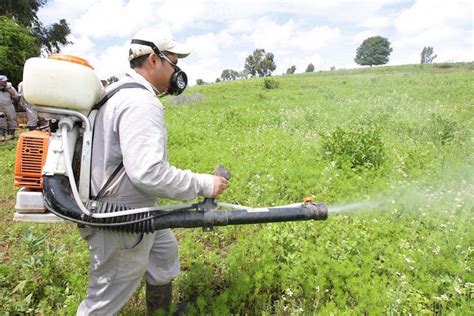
390 149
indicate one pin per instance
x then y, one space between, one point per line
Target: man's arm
11 90
142 136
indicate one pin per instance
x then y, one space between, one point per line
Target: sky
221 34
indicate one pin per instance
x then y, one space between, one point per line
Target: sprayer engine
52 190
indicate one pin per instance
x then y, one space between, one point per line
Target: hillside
388 148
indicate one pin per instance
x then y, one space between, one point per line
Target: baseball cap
3 78
164 41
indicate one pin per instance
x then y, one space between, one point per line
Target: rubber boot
3 138
12 133
158 297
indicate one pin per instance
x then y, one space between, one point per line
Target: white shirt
130 127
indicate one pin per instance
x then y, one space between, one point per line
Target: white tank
61 81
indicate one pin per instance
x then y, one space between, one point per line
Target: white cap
164 41
3 78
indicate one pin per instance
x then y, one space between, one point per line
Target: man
7 109
130 128
31 114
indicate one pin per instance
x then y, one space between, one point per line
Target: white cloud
446 26
111 18
223 33
82 46
360 37
290 36
112 61
209 44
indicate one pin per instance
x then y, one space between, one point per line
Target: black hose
60 201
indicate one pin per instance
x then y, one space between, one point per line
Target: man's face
164 70
3 84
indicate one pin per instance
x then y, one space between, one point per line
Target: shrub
269 83
358 146
443 129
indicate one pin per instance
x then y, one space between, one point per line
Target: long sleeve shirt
130 127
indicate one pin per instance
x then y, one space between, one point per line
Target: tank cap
71 59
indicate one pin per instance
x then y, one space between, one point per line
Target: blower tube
60 201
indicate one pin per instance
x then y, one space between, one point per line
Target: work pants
31 115
118 262
9 122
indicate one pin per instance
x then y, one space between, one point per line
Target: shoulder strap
106 98
109 181
110 94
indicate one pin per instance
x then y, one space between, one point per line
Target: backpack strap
106 98
110 94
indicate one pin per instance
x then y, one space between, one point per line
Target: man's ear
154 58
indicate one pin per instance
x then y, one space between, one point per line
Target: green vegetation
399 136
373 51
16 46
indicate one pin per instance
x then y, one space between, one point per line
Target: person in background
7 95
31 114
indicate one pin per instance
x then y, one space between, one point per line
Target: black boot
3 138
12 133
158 297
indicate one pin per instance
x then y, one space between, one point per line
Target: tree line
373 51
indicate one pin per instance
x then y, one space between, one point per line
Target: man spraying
130 167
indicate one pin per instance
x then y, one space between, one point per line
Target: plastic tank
61 81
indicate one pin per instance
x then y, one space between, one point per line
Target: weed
270 83
356 146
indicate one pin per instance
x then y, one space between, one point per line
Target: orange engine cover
31 152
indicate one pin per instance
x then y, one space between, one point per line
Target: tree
112 79
16 46
49 38
291 70
427 55
229 74
310 68
218 80
373 51
260 63
200 82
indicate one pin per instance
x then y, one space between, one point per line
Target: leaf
19 287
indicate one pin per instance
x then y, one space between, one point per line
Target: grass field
390 149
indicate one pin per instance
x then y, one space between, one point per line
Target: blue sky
223 33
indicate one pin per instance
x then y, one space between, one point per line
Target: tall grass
398 134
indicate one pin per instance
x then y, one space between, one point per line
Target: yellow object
308 199
72 59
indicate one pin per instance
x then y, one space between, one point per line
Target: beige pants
118 263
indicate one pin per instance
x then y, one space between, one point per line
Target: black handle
222 171
209 203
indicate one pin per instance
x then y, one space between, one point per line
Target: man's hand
220 184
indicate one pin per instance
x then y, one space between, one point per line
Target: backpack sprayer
52 168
